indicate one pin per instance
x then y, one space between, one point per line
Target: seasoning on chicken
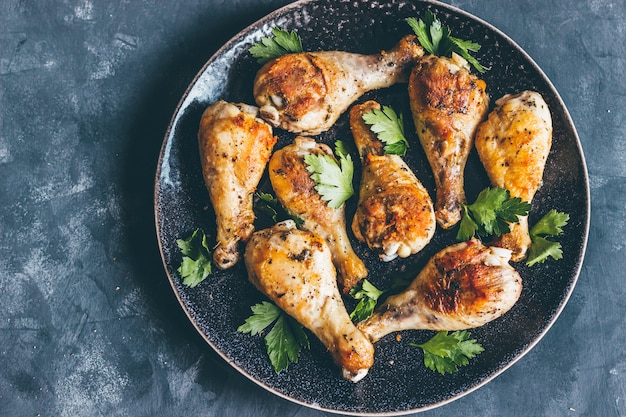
513 144
395 214
306 92
235 146
465 285
295 190
294 269
447 103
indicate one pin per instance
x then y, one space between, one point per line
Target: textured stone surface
89 325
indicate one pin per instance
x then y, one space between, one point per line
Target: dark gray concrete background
88 323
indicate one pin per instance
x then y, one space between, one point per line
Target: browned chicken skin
513 144
463 286
294 269
395 213
295 189
448 103
306 92
235 146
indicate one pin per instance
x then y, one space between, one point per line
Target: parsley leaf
445 352
389 129
541 249
333 179
491 214
551 224
286 338
284 342
436 39
282 42
270 206
267 204
368 295
343 149
264 314
196 263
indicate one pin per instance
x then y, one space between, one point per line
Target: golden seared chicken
463 286
235 146
294 268
306 92
513 144
295 189
448 103
395 214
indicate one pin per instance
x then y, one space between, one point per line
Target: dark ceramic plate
398 383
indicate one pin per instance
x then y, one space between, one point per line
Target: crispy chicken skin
513 144
235 146
295 189
465 285
447 103
306 92
395 214
294 269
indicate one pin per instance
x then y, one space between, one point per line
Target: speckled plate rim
187 97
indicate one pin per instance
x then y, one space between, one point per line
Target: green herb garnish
541 249
282 42
333 179
389 129
271 207
491 214
368 296
285 340
445 352
196 263
436 39
343 149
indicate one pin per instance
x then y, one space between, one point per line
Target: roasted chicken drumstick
463 286
306 92
235 146
295 189
294 269
513 144
447 103
395 213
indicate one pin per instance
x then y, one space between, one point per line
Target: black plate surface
398 383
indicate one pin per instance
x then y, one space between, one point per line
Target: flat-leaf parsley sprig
344 149
491 214
284 341
446 352
280 43
196 264
333 179
437 40
541 249
368 296
269 205
389 129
